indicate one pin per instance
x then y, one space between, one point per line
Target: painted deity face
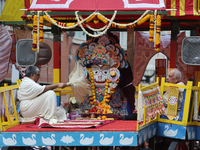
100 75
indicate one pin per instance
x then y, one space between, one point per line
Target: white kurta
33 104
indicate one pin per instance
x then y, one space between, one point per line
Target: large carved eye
95 72
105 72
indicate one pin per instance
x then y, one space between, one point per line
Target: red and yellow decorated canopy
183 7
97 5
186 11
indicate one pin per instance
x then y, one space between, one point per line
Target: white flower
72 100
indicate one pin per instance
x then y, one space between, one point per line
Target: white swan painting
10 141
170 132
29 141
140 139
86 141
106 140
193 133
49 141
145 136
126 140
189 134
149 133
67 139
154 131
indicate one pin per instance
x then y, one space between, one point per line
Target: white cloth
180 99
33 104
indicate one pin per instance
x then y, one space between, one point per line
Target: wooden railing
187 103
188 111
194 105
8 117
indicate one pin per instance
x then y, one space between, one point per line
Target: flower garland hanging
35 20
143 20
41 39
103 32
120 25
96 20
100 107
158 27
67 25
151 27
94 16
38 31
60 24
154 34
96 30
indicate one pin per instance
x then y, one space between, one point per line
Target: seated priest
37 100
174 76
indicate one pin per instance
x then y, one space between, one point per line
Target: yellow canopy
11 10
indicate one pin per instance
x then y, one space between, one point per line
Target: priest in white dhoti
39 101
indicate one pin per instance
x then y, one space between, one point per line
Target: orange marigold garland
100 107
124 26
68 24
47 19
143 20
100 17
89 19
96 20
41 39
158 28
35 20
151 27
58 23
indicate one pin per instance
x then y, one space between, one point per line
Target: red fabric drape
27 4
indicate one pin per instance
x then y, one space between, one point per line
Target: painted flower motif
81 54
100 49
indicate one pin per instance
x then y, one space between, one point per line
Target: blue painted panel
198 132
147 133
171 130
69 138
58 100
191 132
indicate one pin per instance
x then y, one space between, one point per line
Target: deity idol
101 58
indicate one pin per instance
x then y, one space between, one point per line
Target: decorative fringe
79 83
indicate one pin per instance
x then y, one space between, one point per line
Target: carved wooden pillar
130 47
175 29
